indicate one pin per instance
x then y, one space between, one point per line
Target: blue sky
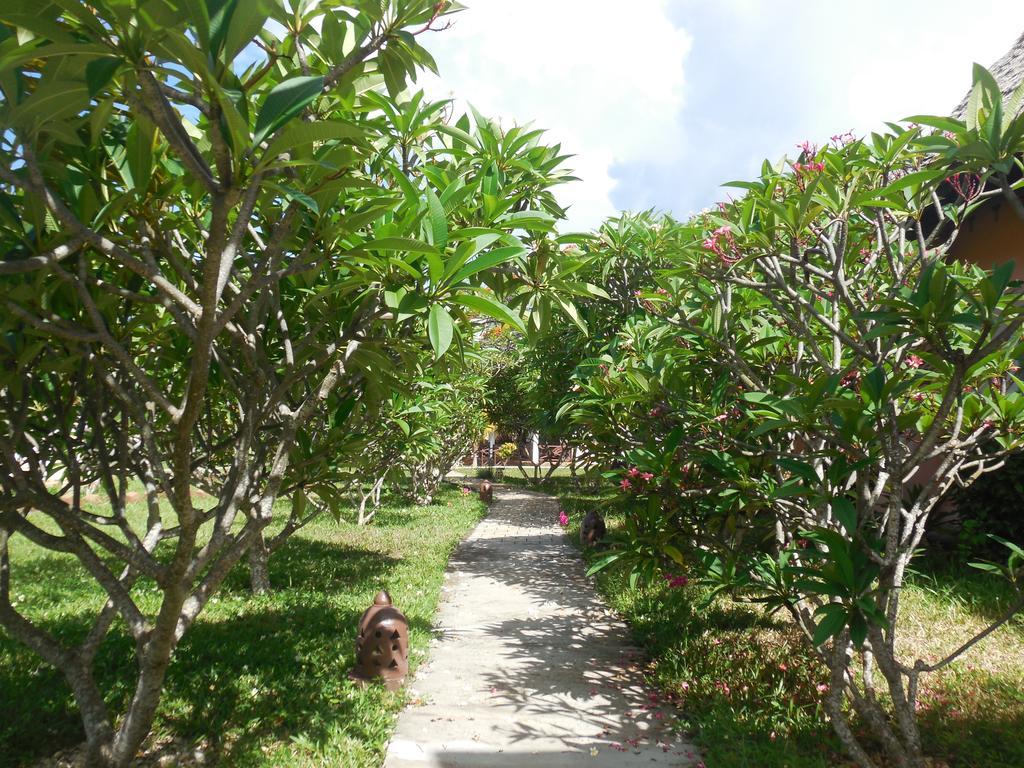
661 101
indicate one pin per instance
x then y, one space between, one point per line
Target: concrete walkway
530 668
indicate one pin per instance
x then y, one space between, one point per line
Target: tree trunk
363 519
138 719
373 496
99 734
259 573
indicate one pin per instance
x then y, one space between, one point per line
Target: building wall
993 235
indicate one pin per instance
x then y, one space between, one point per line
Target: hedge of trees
799 376
230 252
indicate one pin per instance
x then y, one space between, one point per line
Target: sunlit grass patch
258 681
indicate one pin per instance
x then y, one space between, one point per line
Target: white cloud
606 79
602 77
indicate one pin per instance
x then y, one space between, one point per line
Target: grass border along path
260 681
750 690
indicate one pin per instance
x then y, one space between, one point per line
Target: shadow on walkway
530 666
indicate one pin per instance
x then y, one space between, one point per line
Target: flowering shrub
816 379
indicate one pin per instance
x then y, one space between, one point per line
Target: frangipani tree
410 443
217 241
808 378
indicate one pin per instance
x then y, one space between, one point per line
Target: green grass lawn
748 687
258 681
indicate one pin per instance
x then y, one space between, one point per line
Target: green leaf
53 100
1000 278
220 12
833 622
299 197
603 563
569 308
232 102
440 329
99 72
488 260
858 628
438 221
435 267
459 135
492 308
300 133
299 503
674 553
394 73
285 101
197 14
845 512
404 244
1008 544
800 468
913 179
874 383
139 151
248 18
987 567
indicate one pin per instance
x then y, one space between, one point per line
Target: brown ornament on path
382 646
486 492
592 529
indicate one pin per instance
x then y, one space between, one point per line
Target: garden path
529 667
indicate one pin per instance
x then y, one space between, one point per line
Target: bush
800 385
992 505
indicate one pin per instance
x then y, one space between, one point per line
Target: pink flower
676 581
821 687
783 666
563 519
914 361
646 476
465 491
967 185
722 243
626 485
634 472
806 168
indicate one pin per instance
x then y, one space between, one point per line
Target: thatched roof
1008 72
